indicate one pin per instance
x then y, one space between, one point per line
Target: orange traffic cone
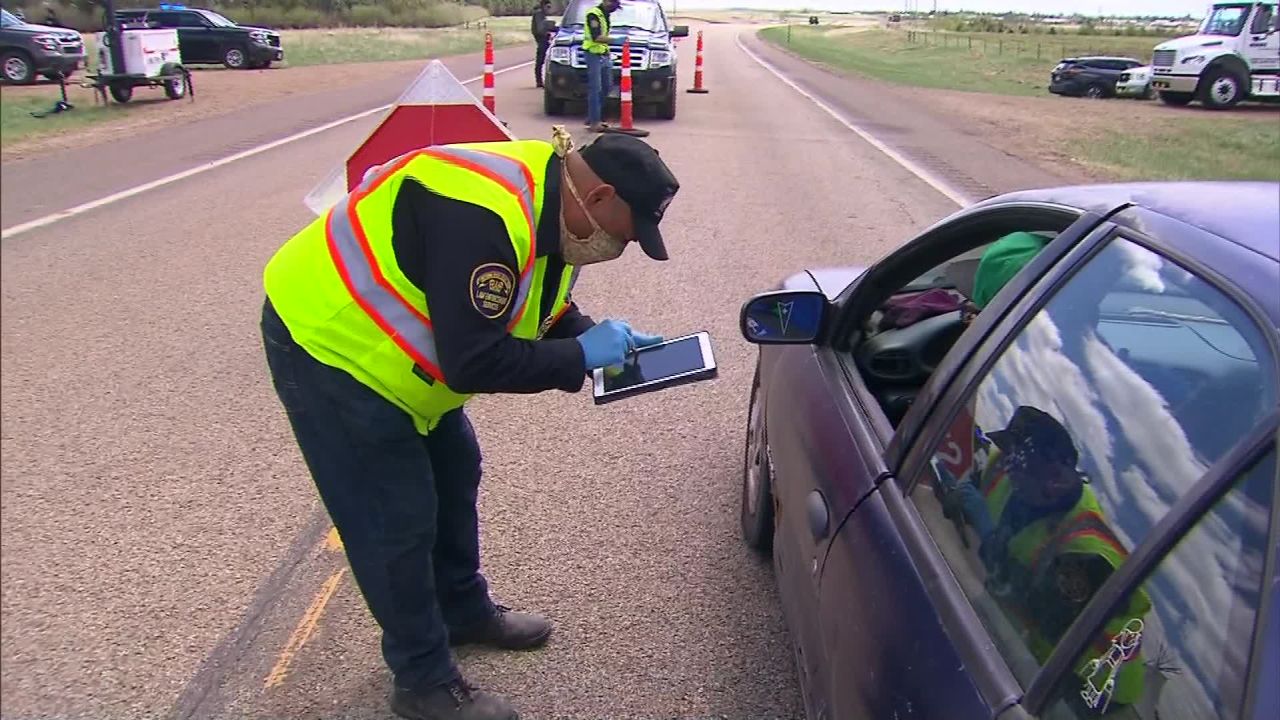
490 103
697 71
624 93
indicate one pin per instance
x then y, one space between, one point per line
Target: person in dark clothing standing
542 36
448 272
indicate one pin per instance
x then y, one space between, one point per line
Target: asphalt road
164 554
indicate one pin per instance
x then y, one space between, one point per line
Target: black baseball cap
1040 433
641 179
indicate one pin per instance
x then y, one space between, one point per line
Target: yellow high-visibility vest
339 291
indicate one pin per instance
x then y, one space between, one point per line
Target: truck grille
638 57
1163 58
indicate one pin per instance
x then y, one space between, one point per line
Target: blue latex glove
606 343
645 340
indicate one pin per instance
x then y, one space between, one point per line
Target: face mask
598 247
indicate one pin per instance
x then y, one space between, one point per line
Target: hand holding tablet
655 366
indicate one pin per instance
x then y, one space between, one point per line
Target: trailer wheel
122 93
1221 88
175 88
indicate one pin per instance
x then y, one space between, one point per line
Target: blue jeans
404 504
599 83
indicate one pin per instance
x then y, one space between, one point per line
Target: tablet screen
662 361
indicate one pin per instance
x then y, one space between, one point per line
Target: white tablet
670 362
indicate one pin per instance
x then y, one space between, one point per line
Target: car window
186 20
1261 21
1185 653
8 19
1106 407
644 15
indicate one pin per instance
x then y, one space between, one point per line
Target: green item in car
1002 261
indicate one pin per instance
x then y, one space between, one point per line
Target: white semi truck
1234 56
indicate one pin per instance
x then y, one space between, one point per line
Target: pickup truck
653 57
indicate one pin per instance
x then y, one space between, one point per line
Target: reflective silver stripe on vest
406 325
390 309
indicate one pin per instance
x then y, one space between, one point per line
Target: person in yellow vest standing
595 49
447 272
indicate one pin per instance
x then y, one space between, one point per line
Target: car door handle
819 517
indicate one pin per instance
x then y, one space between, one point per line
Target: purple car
1025 466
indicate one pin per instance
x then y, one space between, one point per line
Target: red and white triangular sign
435 109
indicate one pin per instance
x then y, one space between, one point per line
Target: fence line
1041 49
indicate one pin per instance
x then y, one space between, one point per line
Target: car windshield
216 19
1225 20
645 15
8 19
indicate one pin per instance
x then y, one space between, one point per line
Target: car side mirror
784 317
680 31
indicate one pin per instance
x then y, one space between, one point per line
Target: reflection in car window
644 15
1196 643
1106 408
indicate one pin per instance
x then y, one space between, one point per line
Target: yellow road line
302 633
333 541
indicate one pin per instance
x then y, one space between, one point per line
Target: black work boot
505 629
456 700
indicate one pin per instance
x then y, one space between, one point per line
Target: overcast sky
1088 7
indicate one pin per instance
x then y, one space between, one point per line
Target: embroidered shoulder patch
492 287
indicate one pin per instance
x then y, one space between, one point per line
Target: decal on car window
1123 648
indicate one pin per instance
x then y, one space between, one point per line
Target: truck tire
235 59
667 109
1176 99
17 67
550 105
1221 88
121 93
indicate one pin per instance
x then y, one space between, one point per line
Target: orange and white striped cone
624 95
697 71
490 103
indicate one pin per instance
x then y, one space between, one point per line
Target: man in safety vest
447 272
1045 543
595 48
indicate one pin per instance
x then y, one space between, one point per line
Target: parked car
653 57
1136 82
1060 507
1093 77
205 37
28 50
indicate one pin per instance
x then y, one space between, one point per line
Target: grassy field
1243 145
328 47
17 124
1186 149
983 62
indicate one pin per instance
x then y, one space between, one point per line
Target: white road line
125 194
929 178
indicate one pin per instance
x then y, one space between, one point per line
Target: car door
1118 398
858 585
195 38
1264 40
819 473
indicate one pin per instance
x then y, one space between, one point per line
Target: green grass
1186 149
981 62
16 122
328 47
1237 146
